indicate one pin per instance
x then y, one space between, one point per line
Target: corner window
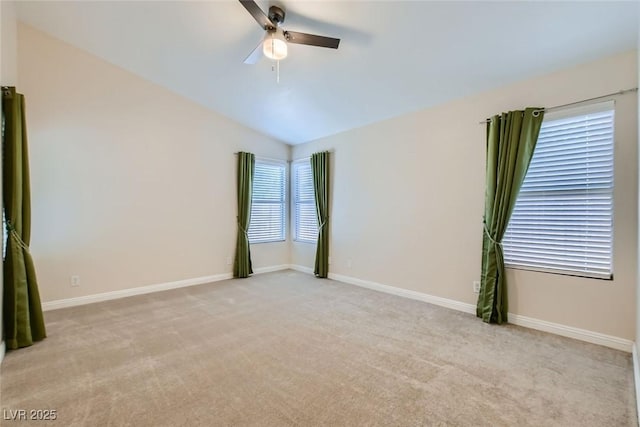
268 202
304 206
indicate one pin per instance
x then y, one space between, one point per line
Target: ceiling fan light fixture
275 41
274 46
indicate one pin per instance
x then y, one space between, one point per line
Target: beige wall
8 77
9 68
408 197
132 184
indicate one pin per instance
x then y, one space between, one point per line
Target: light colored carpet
286 349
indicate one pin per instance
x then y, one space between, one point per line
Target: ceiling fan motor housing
276 15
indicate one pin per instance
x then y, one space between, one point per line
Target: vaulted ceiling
395 57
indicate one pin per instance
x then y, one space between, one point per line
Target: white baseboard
443 302
3 349
636 377
571 332
515 319
301 268
270 269
106 296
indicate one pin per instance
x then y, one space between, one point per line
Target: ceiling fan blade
255 55
258 14
311 39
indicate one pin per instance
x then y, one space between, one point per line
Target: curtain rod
595 98
281 160
268 158
309 156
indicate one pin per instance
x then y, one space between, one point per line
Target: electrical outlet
476 286
75 281
228 260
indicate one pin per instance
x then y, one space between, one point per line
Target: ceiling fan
274 43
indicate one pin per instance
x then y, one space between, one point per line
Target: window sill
310 242
267 241
559 272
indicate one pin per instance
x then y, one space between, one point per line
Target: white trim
2 351
261 270
443 302
106 296
571 332
636 376
515 319
301 269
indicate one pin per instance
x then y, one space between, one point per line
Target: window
563 218
305 219
268 203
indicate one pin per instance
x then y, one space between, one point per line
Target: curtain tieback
13 233
486 231
242 229
322 225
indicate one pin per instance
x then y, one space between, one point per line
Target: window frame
305 162
575 112
283 203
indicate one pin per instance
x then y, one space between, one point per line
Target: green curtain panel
511 139
246 168
22 311
320 169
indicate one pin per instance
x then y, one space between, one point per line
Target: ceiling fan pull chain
278 71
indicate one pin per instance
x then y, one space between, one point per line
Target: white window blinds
306 221
563 218
268 208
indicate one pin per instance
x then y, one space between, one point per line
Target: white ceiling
395 57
